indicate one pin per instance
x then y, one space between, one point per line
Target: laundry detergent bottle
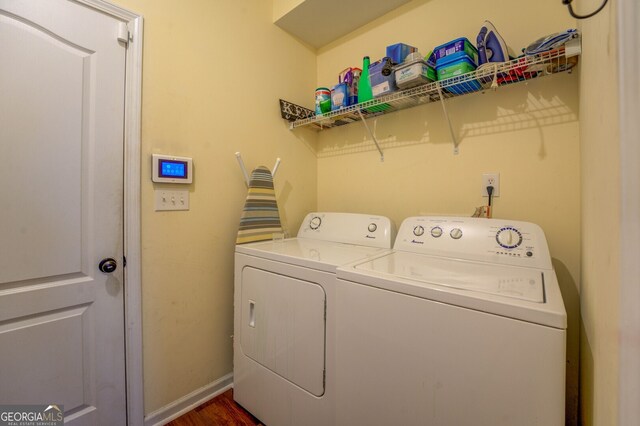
364 84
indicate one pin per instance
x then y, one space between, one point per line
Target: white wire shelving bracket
489 76
366 126
446 116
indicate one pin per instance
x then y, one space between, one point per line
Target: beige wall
213 73
527 133
600 217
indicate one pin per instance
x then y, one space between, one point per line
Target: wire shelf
487 76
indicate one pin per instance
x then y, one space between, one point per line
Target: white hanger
244 169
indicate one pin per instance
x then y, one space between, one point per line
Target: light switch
177 199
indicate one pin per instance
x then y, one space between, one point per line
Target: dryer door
283 326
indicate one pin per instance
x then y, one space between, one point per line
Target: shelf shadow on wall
538 104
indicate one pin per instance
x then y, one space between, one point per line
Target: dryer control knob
436 232
372 227
456 233
315 222
418 231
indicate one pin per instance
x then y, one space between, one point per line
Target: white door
62 74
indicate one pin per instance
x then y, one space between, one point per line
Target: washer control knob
418 230
436 232
372 227
315 222
509 237
456 233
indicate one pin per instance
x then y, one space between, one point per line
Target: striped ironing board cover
260 216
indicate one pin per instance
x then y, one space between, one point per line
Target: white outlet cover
489 179
176 199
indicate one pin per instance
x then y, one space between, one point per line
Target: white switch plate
176 199
492 179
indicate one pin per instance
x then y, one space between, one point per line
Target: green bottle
364 84
365 93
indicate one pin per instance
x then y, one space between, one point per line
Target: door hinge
124 261
123 33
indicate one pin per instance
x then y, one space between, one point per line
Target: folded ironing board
260 216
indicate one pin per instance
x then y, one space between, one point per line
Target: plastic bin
382 84
414 73
397 52
455 50
458 68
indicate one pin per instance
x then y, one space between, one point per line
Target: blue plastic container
382 84
339 96
454 50
458 68
397 52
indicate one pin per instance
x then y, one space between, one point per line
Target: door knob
107 265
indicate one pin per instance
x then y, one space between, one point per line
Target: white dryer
461 324
284 316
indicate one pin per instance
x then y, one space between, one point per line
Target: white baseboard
188 402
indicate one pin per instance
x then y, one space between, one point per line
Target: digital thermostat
170 169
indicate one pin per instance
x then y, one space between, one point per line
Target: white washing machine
461 324
284 316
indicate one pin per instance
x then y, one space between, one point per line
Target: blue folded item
550 42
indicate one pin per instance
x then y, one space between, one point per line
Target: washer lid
310 253
519 283
527 294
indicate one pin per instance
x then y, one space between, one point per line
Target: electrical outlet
491 179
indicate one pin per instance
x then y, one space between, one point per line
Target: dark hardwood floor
221 410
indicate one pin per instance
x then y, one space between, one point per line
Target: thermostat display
169 169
